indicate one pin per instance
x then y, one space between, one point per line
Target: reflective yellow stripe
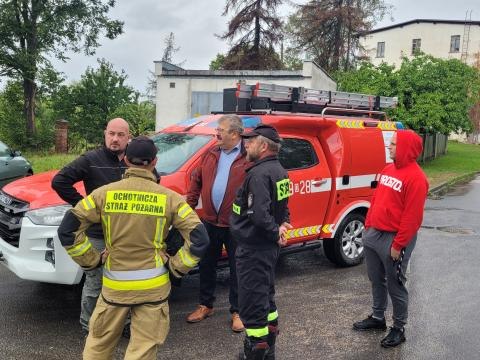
273 316
106 226
387 125
184 210
135 202
305 231
88 203
236 209
80 249
109 231
136 284
186 258
158 259
257 332
158 239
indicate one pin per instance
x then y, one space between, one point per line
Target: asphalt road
317 304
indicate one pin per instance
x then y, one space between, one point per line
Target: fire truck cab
334 145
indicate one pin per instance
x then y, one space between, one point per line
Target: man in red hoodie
392 223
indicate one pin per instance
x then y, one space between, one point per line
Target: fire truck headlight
50 216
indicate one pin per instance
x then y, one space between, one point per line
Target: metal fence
433 146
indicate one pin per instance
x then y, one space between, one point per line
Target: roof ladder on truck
271 97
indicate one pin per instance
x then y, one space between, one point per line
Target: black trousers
219 236
256 286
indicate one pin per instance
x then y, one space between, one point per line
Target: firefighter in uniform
136 214
259 223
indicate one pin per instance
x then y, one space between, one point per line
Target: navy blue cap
141 151
264 130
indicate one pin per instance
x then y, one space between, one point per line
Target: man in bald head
95 168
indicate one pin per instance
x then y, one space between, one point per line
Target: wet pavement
317 303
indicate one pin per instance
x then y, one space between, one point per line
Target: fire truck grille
11 213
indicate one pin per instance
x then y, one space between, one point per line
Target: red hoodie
398 202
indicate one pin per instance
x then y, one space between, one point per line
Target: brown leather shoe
237 324
201 313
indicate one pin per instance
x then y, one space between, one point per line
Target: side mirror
16 153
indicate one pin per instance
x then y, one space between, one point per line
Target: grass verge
45 161
461 161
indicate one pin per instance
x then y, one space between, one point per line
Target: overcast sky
195 23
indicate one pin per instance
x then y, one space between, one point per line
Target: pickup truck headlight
51 216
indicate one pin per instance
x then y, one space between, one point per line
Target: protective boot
254 350
271 339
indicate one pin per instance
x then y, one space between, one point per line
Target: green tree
32 30
12 124
254 31
437 94
90 103
292 59
140 116
217 63
12 121
434 95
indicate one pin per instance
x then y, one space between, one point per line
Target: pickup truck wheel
346 248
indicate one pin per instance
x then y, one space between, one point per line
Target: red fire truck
334 145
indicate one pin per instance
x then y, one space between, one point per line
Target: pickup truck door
310 185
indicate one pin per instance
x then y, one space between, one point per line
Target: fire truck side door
310 183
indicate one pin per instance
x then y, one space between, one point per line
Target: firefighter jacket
136 214
95 168
261 205
202 182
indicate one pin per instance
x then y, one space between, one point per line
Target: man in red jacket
392 223
220 174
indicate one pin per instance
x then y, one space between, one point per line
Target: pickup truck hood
37 190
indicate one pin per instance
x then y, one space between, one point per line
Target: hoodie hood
409 148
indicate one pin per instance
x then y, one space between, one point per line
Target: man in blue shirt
216 180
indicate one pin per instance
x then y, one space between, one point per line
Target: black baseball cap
264 130
141 151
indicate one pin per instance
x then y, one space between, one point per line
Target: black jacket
95 168
261 205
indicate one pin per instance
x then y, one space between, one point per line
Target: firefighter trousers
149 328
256 289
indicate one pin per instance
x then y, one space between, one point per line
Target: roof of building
418 21
170 70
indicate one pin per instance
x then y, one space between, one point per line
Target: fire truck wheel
346 248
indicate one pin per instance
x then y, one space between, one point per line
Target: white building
447 39
182 94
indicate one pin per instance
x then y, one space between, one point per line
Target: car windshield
175 149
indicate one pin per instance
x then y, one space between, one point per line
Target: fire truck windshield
174 149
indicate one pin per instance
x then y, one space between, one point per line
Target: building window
172 85
455 43
416 43
381 49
